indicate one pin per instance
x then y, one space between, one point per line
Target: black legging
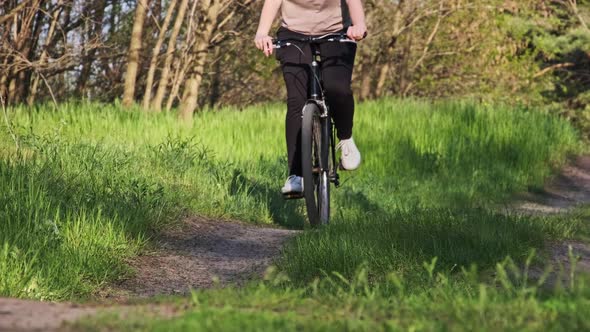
337 64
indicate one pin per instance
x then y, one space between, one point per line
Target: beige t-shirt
315 17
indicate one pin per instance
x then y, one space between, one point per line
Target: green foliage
553 47
516 52
557 40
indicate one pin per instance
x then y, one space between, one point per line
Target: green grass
441 303
90 184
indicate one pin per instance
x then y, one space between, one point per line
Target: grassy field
84 188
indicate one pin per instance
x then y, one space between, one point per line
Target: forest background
193 55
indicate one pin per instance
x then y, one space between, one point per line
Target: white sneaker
350 159
293 185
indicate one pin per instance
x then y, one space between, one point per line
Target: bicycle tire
315 165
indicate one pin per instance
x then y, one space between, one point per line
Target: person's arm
269 13
358 29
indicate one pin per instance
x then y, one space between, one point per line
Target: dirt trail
189 257
201 249
21 315
26 315
564 193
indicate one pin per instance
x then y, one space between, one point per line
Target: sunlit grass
90 184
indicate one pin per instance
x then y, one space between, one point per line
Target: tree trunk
147 96
164 76
397 31
366 83
94 31
383 73
134 50
191 93
4 81
215 89
193 84
177 80
25 30
43 57
184 60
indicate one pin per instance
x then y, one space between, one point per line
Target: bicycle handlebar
333 37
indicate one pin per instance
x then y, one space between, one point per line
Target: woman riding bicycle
300 19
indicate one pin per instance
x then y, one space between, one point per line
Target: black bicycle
318 136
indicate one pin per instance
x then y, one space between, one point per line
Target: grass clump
66 231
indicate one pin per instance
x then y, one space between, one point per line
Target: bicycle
318 136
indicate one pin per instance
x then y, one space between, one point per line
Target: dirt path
564 193
188 257
202 250
21 315
233 252
25 315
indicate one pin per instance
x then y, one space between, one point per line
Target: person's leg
296 82
294 64
337 66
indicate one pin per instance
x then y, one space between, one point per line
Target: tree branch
554 67
14 11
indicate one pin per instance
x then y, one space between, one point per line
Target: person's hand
357 32
264 43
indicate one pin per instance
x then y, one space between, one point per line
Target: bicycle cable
315 76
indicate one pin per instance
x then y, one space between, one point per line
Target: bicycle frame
317 96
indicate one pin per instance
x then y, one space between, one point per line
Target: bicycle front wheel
315 143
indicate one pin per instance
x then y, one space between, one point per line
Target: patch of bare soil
568 190
564 263
24 315
203 253
20 315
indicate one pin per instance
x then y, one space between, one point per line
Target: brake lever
348 40
279 45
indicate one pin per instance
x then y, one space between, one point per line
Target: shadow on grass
286 213
365 231
60 190
403 240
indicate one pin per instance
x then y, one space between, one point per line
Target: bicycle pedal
290 196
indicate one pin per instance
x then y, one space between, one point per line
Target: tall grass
91 183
